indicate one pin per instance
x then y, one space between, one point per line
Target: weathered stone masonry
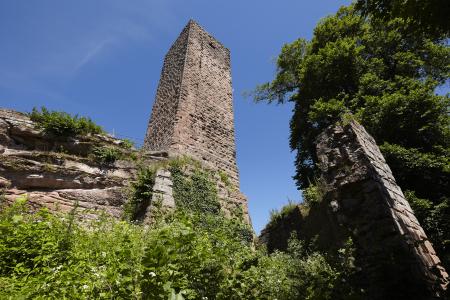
396 257
193 110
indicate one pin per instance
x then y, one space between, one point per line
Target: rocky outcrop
59 173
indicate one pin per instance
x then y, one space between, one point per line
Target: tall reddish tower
193 110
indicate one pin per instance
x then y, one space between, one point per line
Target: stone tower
193 110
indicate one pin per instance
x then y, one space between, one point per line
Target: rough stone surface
162 192
393 251
32 166
193 110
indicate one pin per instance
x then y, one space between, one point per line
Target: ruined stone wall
397 260
193 114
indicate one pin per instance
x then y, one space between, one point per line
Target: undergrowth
185 255
193 252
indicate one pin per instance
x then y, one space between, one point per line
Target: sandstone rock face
60 173
57 173
394 253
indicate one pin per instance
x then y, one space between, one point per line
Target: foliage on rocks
107 155
127 144
314 193
44 256
277 215
62 124
140 194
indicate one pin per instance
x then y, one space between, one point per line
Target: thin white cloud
65 50
92 53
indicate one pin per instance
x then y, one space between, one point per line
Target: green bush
127 144
63 124
141 194
43 256
312 194
106 155
277 215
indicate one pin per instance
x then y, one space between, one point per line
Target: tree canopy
430 16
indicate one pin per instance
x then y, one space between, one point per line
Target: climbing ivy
197 192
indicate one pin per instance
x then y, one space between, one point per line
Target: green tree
431 16
385 74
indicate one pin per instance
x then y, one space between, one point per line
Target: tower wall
162 122
193 110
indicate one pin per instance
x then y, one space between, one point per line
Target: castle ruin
193 110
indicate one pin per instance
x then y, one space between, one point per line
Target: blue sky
103 58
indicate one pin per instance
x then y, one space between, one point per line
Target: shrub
276 215
106 155
127 144
141 194
314 193
63 124
47 257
